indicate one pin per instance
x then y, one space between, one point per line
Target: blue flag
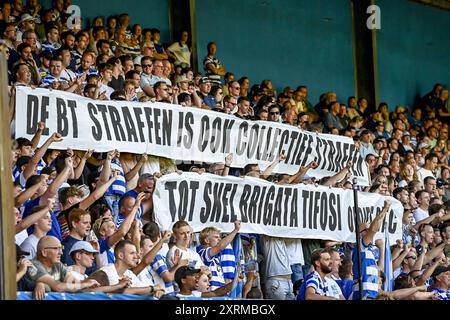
389 283
236 290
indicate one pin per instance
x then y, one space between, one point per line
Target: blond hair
206 232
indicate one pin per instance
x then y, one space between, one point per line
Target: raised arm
52 190
298 177
79 169
133 172
31 165
266 174
37 135
228 161
98 192
376 223
148 258
338 176
33 218
28 193
106 170
226 240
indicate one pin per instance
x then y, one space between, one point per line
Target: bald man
49 274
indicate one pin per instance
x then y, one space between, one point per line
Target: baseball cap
204 80
82 245
423 145
183 272
377 139
440 270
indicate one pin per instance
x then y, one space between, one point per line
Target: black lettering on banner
189 120
217 205
345 156
44 113
261 209
293 212
226 135
338 210
102 109
300 152
295 136
323 211
260 149
206 210
32 113
243 203
183 189
129 125
61 117
252 141
194 185
350 219
97 128
241 145
322 160
351 154
226 190
204 133
333 212
306 206
268 206
392 224
171 186
316 199
180 128
252 209
283 140
167 127
339 156
233 193
331 166
274 145
140 123
287 193
278 207
214 144
156 115
72 104
359 164
309 149
115 121
148 117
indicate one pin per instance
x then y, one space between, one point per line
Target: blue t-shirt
104 247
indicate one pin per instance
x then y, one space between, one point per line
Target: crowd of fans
84 220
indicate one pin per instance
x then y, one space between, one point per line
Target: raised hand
229 159
56 137
237 225
110 155
88 154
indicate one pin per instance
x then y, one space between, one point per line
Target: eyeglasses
274 113
411 257
236 88
55 248
147 65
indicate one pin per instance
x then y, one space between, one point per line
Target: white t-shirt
182 54
20 237
76 275
30 245
146 278
420 214
294 251
113 276
107 90
422 173
333 288
189 254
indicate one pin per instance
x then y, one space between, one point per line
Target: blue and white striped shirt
47 46
369 270
213 263
227 262
119 187
48 80
441 294
313 280
80 72
157 267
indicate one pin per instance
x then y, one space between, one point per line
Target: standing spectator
180 52
211 248
431 162
127 258
82 255
52 42
182 233
441 282
41 227
80 226
212 66
369 267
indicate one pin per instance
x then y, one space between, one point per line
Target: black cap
20 253
439 270
182 272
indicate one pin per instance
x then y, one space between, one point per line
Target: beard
325 268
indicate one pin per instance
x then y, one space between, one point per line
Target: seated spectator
82 255
41 227
180 52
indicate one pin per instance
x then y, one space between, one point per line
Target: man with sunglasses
274 113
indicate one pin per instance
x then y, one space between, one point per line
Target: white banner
288 211
181 133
